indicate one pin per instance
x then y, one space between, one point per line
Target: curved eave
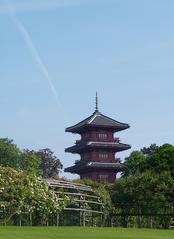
117 147
97 120
85 127
78 168
99 165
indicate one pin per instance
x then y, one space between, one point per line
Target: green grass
82 233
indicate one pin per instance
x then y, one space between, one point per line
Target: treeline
24 198
144 194
40 163
142 197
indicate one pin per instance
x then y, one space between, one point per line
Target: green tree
22 192
149 151
143 194
162 160
153 158
42 162
135 163
30 162
144 188
9 153
50 164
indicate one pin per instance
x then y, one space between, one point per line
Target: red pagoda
97 147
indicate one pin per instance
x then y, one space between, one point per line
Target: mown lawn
82 233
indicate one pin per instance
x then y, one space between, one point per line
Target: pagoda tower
97 147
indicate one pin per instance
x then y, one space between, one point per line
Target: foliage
30 162
42 162
21 192
143 189
154 158
9 153
146 185
101 189
148 151
146 193
135 163
162 160
50 165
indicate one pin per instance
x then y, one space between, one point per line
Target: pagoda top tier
97 120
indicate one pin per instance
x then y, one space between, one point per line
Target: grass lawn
82 233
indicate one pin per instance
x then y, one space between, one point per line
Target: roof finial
96 102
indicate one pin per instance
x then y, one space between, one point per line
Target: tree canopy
146 185
22 192
153 158
9 153
42 162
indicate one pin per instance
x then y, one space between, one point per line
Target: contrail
22 29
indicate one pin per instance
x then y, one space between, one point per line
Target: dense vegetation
21 191
145 192
142 197
41 163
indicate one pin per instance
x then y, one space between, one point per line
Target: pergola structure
86 208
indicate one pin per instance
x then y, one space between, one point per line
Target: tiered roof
97 120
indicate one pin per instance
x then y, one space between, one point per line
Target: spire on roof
96 102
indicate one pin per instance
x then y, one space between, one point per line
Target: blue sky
55 54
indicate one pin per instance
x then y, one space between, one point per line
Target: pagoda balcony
85 146
115 140
116 160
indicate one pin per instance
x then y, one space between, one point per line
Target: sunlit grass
82 233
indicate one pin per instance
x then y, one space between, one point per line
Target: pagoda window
85 156
103 155
103 177
102 135
86 136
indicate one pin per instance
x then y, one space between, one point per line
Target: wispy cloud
37 5
27 38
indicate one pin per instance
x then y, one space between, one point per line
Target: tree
135 163
144 194
154 158
9 153
50 164
42 162
143 188
30 162
149 151
162 160
22 192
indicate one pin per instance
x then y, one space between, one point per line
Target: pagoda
97 147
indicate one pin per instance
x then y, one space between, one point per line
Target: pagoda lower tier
97 171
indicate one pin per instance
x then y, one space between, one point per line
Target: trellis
85 208
85 203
